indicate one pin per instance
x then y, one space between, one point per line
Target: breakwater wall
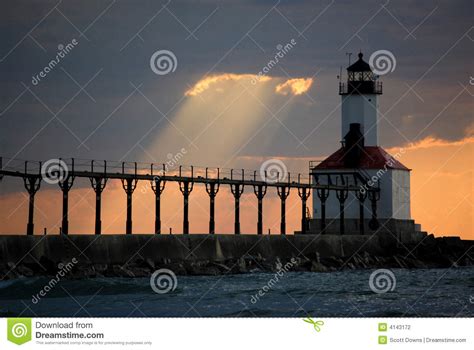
139 255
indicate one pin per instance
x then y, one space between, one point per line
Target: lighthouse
359 101
361 156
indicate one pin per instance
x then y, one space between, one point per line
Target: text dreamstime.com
66 330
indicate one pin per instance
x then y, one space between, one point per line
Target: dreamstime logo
382 62
163 281
382 281
163 62
273 170
19 330
471 299
54 171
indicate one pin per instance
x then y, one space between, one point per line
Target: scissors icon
316 324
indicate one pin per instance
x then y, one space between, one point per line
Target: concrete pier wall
404 230
141 255
121 249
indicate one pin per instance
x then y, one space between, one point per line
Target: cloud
295 86
431 142
206 82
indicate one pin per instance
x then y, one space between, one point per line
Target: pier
64 171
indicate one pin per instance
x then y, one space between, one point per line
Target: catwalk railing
64 171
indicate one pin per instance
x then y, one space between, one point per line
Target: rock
24 271
367 258
318 267
150 263
121 271
222 267
11 271
414 263
399 261
358 261
199 269
101 268
138 271
242 265
86 270
48 265
177 268
278 264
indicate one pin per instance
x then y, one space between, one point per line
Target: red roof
372 157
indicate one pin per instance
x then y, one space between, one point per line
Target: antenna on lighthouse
349 54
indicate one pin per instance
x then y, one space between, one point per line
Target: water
422 292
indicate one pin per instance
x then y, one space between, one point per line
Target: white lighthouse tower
361 154
359 101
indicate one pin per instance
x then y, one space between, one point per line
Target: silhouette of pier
64 171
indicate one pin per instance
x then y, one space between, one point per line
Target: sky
110 97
